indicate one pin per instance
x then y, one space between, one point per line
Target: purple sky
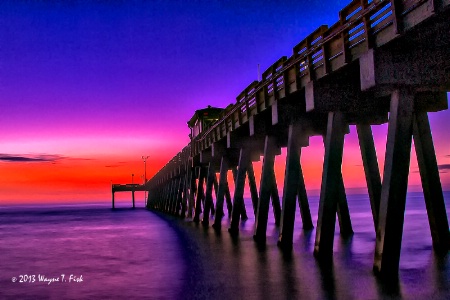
114 65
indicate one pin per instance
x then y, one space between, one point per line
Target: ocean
93 252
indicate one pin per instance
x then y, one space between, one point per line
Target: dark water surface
137 254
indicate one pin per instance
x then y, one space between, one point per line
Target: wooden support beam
345 223
179 200
184 203
222 187
386 68
276 207
174 200
293 185
238 199
331 182
173 195
192 191
343 213
371 170
228 199
265 189
173 192
394 186
216 185
167 196
208 197
397 9
244 216
291 179
431 183
303 202
200 196
132 197
113 206
253 188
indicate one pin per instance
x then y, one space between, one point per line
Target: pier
381 62
129 187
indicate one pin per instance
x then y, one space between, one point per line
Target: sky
88 87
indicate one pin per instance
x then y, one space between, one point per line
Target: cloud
117 165
30 157
78 158
444 167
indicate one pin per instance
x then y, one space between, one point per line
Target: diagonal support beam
431 183
228 199
244 216
179 196
222 188
345 223
394 186
200 195
238 199
265 189
303 202
208 196
331 183
253 188
192 191
276 207
293 185
371 170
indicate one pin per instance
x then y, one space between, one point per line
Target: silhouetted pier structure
129 187
383 61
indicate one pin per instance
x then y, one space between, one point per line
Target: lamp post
132 188
145 177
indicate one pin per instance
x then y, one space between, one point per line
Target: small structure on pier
129 187
203 119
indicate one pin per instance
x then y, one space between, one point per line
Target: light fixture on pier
145 176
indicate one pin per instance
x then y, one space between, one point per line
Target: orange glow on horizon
82 179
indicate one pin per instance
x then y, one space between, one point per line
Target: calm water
137 254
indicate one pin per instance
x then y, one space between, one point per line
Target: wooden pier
129 187
382 61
